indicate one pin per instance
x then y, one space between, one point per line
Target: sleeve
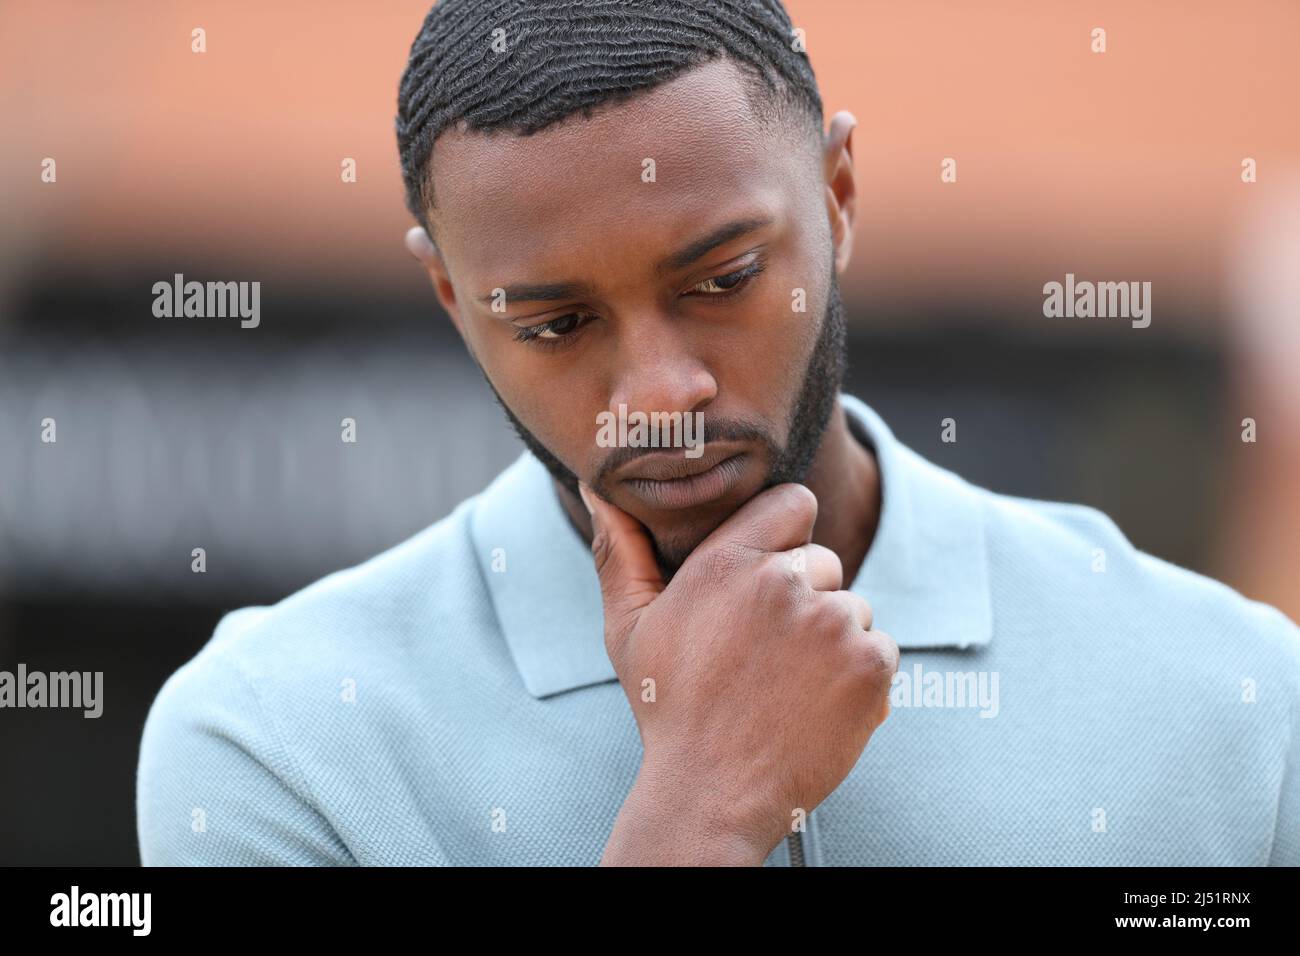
1286 836
1286 833
215 786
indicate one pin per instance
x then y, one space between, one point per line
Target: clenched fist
754 679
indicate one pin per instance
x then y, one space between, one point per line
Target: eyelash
532 334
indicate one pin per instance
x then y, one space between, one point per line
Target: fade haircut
563 57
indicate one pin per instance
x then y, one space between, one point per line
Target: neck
846 480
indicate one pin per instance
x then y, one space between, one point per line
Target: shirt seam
300 785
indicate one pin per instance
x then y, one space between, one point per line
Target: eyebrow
696 249
706 244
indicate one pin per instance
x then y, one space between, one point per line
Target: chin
677 533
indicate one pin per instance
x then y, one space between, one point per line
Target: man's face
670 254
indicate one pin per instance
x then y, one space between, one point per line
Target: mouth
677 482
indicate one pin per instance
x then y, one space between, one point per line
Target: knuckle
884 710
867 613
831 559
606 559
601 550
832 616
798 499
881 653
777 570
893 648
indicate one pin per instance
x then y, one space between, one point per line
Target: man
638 655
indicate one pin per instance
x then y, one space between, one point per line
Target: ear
421 246
841 193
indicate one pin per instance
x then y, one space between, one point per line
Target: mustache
715 429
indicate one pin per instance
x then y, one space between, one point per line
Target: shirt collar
926 573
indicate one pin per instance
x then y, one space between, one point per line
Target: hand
754 680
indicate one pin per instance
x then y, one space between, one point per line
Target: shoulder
375 606
230 738
1071 548
409 595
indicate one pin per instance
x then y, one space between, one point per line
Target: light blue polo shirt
1062 698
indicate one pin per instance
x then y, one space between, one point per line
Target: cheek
556 399
766 366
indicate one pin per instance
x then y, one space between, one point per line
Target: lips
670 481
672 465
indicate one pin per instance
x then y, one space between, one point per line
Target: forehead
577 188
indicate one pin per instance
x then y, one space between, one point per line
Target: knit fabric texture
1062 698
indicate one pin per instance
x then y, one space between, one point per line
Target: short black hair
563 57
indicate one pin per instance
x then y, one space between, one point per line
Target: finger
817 565
625 564
890 645
858 606
777 519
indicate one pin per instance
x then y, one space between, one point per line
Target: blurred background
174 434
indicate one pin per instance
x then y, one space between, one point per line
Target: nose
659 371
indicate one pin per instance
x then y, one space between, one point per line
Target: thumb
625 564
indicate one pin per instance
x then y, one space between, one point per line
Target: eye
550 333
731 282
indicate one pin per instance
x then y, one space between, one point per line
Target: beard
788 462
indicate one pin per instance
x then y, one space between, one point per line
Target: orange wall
1123 165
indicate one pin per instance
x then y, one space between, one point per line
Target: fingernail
582 491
